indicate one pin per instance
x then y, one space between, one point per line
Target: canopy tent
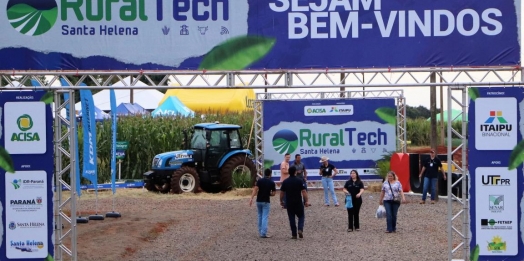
130 109
99 114
172 106
219 100
148 99
454 114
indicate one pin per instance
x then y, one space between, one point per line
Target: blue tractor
213 155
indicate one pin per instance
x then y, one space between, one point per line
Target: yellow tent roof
216 100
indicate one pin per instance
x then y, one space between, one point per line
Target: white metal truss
67 231
454 79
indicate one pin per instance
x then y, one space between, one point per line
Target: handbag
349 201
396 198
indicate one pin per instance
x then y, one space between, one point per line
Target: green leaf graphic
475 253
517 156
268 164
6 162
473 93
49 258
387 114
237 53
47 98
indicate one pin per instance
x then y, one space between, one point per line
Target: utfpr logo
494 180
32 17
285 141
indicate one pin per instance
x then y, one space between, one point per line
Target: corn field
149 136
419 131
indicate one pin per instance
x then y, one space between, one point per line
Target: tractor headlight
157 162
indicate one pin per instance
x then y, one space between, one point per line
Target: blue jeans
427 182
296 211
327 183
391 214
263 216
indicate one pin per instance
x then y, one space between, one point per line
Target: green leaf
47 98
237 53
6 162
475 253
387 114
268 164
473 93
517 156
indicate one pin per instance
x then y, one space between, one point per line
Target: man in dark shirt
431 170
301 169
293 189
264 188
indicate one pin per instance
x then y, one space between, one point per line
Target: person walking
293 189
301 169
355 188
391 196
264 189
328 172
284 172
430 169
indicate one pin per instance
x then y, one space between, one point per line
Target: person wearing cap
328 171
430 169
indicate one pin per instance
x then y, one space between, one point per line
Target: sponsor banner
26 231
350 141
112 99
343 174
137 184
212 34
496 171
89 129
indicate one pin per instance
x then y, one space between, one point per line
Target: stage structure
456 80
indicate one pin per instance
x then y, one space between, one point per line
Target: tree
417 112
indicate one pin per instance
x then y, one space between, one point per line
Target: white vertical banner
496 201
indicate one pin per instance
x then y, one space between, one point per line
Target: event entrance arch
455 80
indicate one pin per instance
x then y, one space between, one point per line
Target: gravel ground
226 230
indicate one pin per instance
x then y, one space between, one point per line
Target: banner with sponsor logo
257 34
495 171
27 167
89 129
352 133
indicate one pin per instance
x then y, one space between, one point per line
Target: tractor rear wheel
237 165
185 180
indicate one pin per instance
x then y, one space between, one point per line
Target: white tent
147 98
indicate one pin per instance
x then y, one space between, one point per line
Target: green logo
25 122
285 141
32 17
15 183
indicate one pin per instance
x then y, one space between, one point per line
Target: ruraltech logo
285 141
32 17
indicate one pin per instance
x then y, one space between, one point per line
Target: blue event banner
495 172
258 34
352 133
89 129
112 99
26 197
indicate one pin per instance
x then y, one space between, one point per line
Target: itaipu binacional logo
32 17
285 141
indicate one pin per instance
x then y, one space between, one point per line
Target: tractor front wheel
150 186
185 180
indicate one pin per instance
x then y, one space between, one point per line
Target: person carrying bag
391 196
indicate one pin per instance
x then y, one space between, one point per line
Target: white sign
495 123
25 127
26 215
496 204
328 110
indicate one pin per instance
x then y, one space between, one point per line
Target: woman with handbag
353 190
391 196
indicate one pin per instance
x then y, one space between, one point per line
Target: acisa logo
496 125
319 110
25 124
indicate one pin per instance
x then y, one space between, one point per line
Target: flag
112 100
89 128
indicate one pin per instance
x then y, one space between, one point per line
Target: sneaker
294 237
266 236
336 205
350 230
300 234
433 202
327 205
422 202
